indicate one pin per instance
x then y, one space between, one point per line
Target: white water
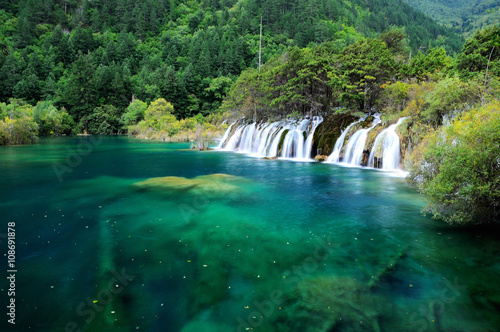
335 156
262 139
234 140
388 141
247 138
224 138
356 144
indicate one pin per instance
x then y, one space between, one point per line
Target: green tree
366 65
79 93
478 53
134 113
52 121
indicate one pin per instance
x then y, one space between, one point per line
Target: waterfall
335 156
267 134
234 140
388 141
273 151
262 140
224 138
293 144
247 138
356 144
316 121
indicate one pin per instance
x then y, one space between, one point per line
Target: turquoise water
118 234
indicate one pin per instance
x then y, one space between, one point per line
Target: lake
120 234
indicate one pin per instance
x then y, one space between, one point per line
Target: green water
279 246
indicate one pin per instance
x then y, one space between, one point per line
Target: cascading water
263 139
234 140
294 146
335 156
316 121
224 138
273 151
356 144
387 145
247 138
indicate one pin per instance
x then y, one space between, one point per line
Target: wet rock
329 131
320 158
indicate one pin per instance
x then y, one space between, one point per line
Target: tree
28 89
478 53
134 113
52 121
422 66
79 94
104 120
366 65
16 123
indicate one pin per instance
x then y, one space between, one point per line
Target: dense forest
91 59
464 16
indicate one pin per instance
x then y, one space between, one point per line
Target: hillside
464 16
94 57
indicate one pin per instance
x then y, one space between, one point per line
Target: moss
367 123
328 132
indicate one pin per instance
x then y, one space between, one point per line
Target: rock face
328 131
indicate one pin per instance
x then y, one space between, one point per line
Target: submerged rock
204 184
331 303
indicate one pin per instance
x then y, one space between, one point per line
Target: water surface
276 246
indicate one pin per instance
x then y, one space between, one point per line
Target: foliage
449 96
463 16
16 123
366 65
478 53
52 121
422 66
160 123
103 120
134 113
458 168
83 55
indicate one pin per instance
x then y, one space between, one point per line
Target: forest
91 59
464 16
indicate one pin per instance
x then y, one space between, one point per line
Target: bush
458 168
16 123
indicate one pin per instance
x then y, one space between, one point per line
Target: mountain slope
465 16
85 55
